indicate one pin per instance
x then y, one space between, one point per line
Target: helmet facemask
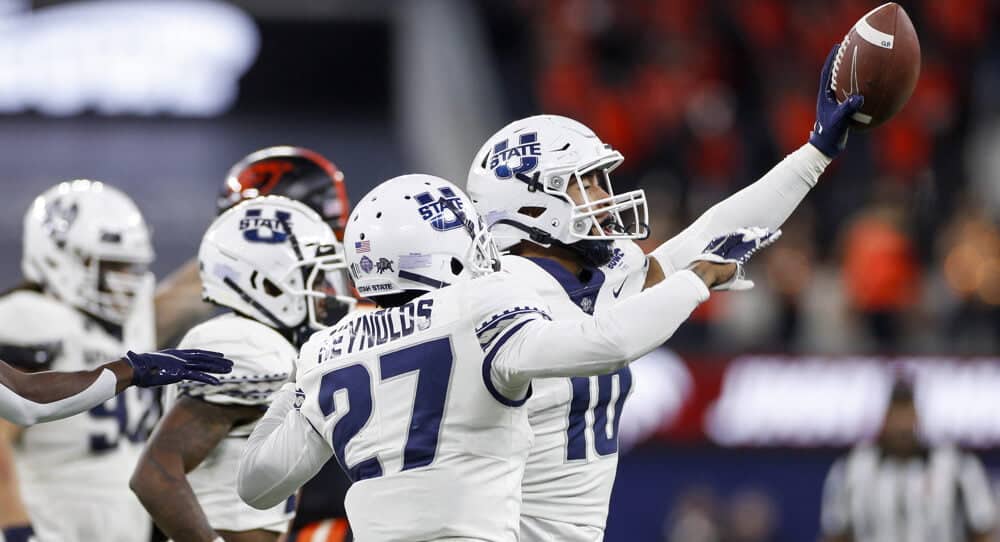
324 287
593 224
112 287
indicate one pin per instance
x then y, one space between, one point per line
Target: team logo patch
258 229
383 265
507 161
587 305
366 264
444 213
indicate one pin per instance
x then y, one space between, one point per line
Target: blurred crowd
897 250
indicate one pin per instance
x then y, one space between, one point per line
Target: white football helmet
416 232
87 243
520 176
275 260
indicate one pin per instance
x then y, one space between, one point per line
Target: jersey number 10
605 434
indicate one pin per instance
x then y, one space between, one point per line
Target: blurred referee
899 490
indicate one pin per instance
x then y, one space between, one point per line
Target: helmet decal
58 220
441 212
264 175
258 229
523 158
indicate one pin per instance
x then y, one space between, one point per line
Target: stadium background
891 266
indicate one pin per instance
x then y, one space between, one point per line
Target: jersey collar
582 289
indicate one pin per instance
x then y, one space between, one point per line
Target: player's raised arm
627 330
769 201
29 398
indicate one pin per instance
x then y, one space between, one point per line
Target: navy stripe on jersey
488 365
493 327
257 388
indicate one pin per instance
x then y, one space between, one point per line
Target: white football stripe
871 34
862 118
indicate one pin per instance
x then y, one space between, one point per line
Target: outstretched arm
518 343
771 200
29 398
766 203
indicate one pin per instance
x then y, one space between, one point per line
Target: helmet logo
441 213
264 175
507 162
383 265
258 229
58 219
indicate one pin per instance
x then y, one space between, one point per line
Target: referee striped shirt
942 495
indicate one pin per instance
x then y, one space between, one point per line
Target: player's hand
737 248
21 533
833 120
170 366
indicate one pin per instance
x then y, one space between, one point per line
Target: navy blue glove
22 533
833 120
737 247
170 366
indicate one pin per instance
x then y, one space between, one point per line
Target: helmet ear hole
456 266
271 288
533 212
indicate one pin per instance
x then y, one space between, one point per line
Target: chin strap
537 235
593 251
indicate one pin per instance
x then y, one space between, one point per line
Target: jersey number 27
431 361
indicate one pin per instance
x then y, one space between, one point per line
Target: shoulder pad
262 359
31 318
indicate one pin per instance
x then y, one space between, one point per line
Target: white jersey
405 396
71 469
571 468
262 362
420 403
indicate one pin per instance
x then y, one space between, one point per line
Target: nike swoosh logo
616 292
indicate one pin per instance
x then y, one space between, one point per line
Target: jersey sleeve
539 348
978 504
281 455
21 411
262 361
835 510
766 203
504 315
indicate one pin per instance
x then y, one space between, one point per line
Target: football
879 59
